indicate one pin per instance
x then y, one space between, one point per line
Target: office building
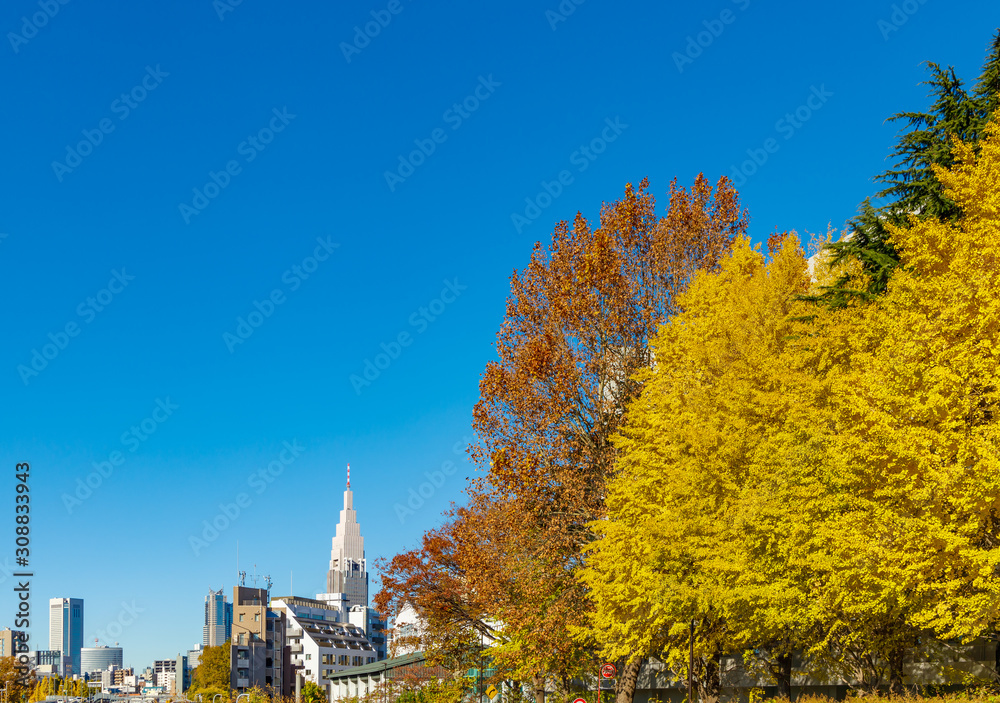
100 658
66 630
218 619
48 662
348 572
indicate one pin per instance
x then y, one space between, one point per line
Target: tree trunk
784 676
538 686
627 680
896 671
710 685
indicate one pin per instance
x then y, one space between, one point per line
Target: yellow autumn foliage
793 478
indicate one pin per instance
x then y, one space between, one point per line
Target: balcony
242 683
294 631
295 648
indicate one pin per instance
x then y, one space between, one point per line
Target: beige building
8 641
258 640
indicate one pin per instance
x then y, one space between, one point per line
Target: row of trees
681 428
212 677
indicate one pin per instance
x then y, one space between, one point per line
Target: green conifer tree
910 185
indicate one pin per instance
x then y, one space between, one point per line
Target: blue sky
169 167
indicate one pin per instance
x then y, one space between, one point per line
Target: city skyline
346 527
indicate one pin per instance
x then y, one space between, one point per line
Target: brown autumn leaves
577 327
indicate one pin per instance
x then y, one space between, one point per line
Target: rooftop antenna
348 477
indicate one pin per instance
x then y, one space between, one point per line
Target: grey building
218 619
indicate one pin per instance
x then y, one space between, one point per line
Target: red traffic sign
580 700
608 671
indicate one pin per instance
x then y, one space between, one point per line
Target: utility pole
482 644
691 666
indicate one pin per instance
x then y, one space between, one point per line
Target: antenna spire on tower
348 476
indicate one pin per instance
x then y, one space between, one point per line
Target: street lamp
215 696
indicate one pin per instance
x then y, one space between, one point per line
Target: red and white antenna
348 476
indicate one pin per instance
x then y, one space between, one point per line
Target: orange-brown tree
577 327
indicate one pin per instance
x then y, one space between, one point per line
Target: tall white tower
348 572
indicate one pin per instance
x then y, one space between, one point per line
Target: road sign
580 700
608 671
492 691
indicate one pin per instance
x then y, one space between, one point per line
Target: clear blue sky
110 211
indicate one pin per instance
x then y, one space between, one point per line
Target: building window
241 617
308 657
256 617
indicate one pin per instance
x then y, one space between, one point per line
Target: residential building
9 640
257 642
218 619
194 656
348 572
320 639
66 630
100 658
164 671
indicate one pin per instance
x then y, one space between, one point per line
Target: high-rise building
66 630
218 619
348 572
